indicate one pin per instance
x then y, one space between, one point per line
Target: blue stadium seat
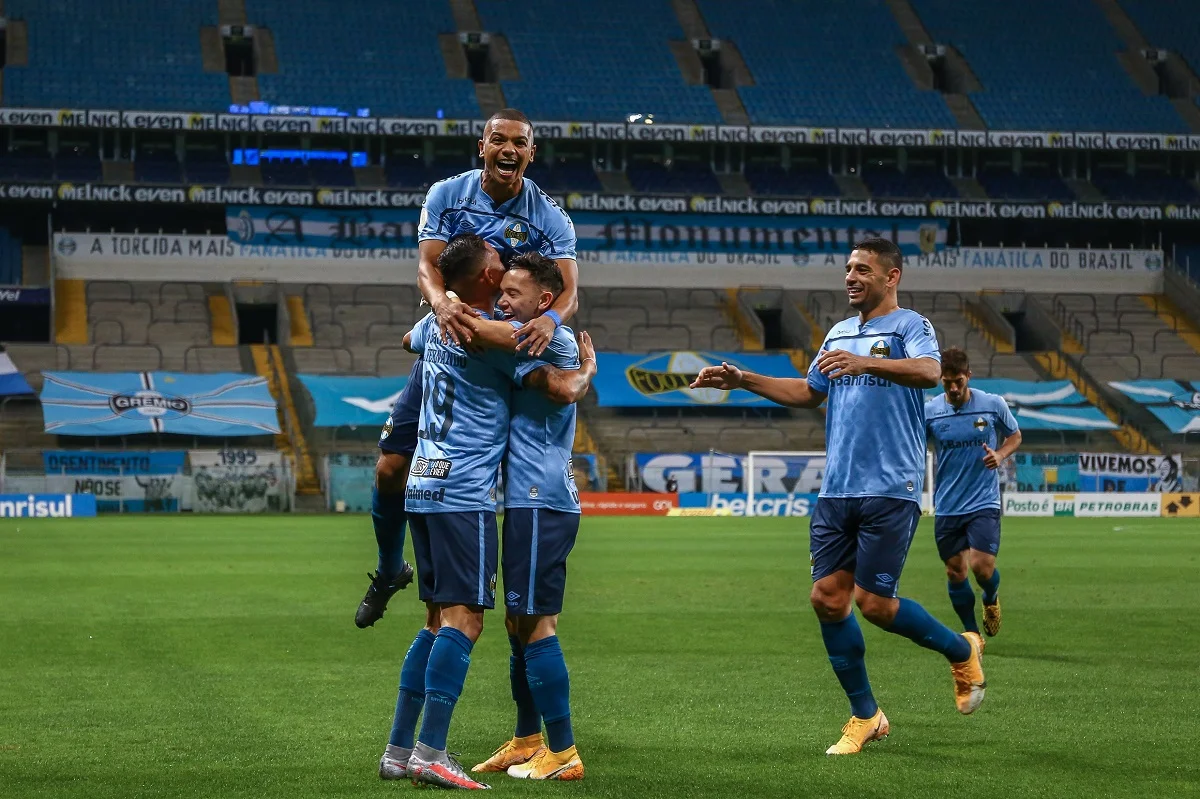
1123 187
564 51
914 184
774 180
141 54
1170 24
380 55
567 176
822 63
1046 66
683 178
1004 184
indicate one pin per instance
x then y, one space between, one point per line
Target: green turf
155 657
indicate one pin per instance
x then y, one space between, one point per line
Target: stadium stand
1122 186
1071 50
913 184
868 87
1171 24
376 57
561 49
114 54
358 329
1005 184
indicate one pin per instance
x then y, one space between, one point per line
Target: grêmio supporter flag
352 401
12 382
662 379
127 403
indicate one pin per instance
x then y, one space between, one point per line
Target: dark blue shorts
399 433
869 536
456 557
979 530
536 544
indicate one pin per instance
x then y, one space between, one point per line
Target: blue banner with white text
352 401
662 379
354 229
78 461
764 504
125 403
40 506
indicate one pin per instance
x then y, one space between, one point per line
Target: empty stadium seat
563 49
1170 24
822 63
1046 66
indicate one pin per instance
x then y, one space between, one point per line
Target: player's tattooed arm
907 372
535 334
566 386
794 392
452 315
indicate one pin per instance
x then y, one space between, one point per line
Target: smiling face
506 149
868 280
521 298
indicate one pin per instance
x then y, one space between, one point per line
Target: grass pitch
217 657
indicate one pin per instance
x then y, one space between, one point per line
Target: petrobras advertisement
717 473
663 378
41 506
764 504
1099 505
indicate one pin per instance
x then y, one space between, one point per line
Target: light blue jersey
874 428
962 483
529 221
464 423
540 439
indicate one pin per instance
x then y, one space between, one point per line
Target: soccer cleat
371 609
440 769
859 732
394 763
969 684
547 765
512 752
991 617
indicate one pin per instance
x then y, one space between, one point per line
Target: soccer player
541 521
511 213
873 368
972 432
451 502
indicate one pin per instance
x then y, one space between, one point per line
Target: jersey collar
484 197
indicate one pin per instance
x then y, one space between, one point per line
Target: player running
515 216
541 521
873 368
451 499
972 432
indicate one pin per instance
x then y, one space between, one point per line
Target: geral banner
1107 471
616 504
239 481
592 131
38 506
718 473
106 256
1104 505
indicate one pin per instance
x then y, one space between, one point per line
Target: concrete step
965 114
266 60
490 98
690 19
969 188
1085 191
243 90
910 23
466 16
614 182
231 12
734 184
212 49
852 187
729 103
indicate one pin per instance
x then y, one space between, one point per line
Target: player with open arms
451 500
514 216
541 521
972 433
873 368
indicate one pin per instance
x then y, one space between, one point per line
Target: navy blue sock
962 598
990 587
412 690
389 518
845 645
529 720
546 670
914 623
444 679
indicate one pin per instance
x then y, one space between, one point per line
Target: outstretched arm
566 386
794 392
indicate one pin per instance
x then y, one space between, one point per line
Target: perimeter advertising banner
40 506
239 481
1101 505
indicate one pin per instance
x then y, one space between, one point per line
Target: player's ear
481 148
545 300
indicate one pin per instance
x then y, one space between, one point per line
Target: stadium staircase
268 363
733 112
70 312
1174 317
919 70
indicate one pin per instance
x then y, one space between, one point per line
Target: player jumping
541 521
873 368
514 216
972 432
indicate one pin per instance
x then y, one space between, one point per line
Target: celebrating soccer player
512 214
873 368
972 432
541 520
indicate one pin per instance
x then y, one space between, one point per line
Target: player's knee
956 572
391 472
830 605
433 617
511 623
878 610
536 628
983 569
467 619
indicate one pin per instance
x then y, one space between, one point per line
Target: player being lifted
873 368
451 499
972 433
541 520
514 216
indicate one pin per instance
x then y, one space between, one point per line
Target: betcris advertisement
39 506
764 504
662 379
